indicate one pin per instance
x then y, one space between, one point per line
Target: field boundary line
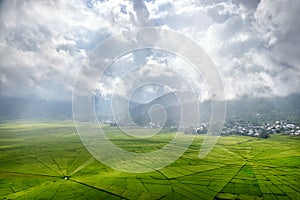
167 178
47 166
62 173
29 174
231 179
83 165
93 187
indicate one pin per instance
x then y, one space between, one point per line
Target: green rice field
48 161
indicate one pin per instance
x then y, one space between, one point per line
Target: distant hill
265 109
25 108
245 108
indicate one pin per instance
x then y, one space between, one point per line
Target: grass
35 158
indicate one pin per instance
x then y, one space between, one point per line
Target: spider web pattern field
48 161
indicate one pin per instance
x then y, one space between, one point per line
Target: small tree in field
264 134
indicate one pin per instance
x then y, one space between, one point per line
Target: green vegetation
48 161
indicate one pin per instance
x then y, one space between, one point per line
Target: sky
255 46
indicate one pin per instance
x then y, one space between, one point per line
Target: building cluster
233 128
247 128
252 129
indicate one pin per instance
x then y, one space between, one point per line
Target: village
231 127
253 129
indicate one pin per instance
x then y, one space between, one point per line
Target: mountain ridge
247 108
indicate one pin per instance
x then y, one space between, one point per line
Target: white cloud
255 45
43 44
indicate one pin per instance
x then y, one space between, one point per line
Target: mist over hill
265 109
245 108
23 108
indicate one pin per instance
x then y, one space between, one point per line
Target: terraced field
48 161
